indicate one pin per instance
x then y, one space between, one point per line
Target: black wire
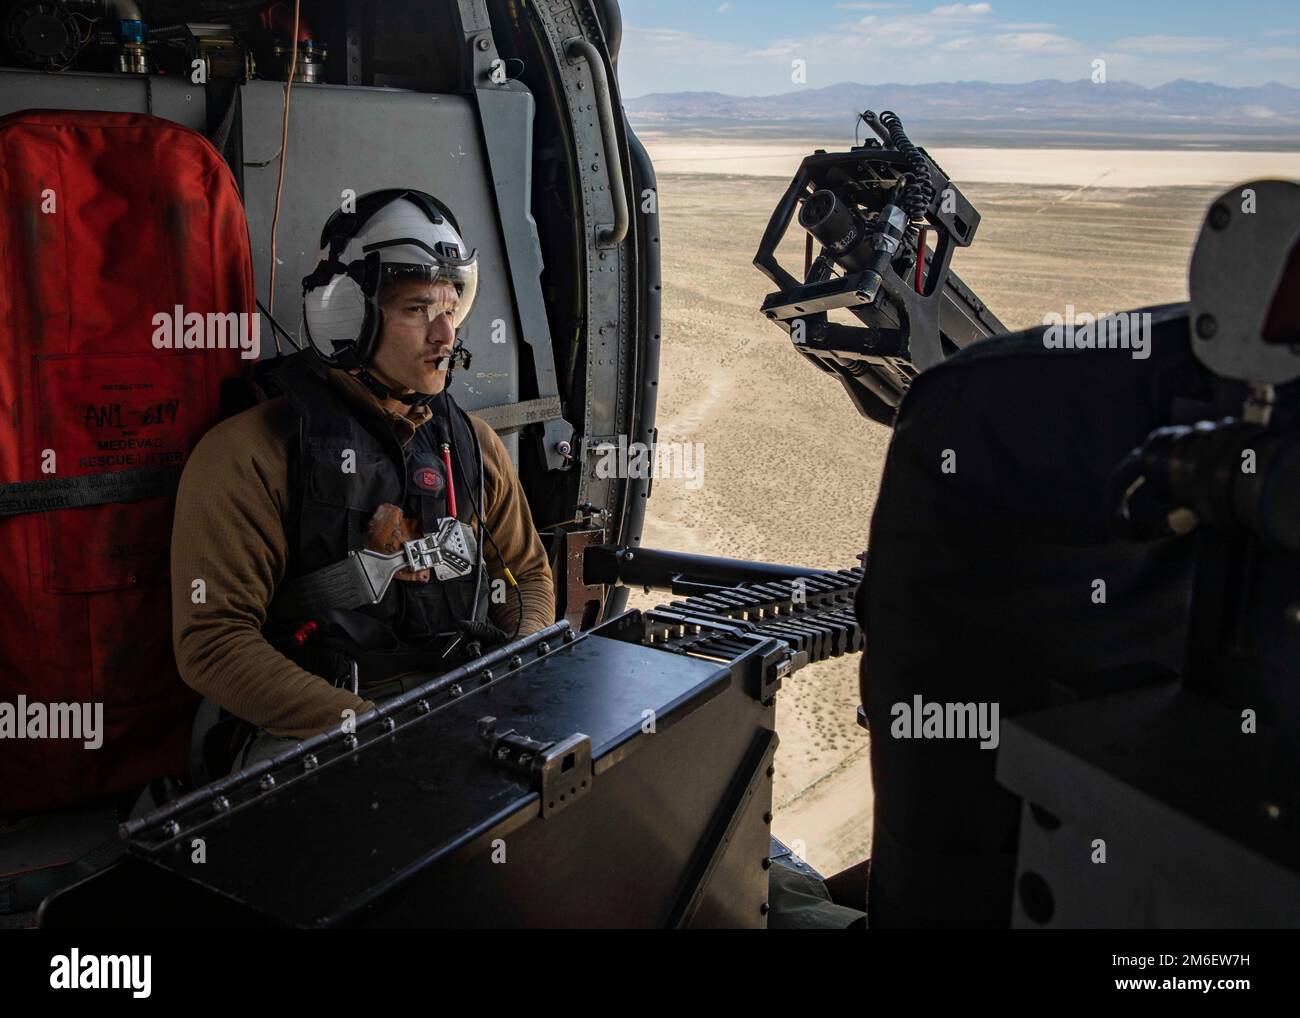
486 530
277 326
919 194
478 551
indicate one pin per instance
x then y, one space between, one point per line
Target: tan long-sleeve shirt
229 533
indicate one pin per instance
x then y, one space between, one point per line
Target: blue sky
745 47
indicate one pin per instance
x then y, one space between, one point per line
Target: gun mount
871 210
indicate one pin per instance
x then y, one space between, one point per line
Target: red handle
451 486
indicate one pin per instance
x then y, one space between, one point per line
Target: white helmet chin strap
383 392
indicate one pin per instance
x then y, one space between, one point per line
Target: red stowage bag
106 220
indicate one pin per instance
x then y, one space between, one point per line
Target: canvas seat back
114 228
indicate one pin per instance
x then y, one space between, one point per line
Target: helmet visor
461 273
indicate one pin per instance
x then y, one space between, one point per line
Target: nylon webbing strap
512 416
89 489
342 585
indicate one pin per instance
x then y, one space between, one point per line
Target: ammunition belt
813 614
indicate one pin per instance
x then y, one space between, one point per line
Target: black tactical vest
343 469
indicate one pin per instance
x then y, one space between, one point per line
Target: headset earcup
336 317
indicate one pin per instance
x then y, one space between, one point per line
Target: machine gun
871 210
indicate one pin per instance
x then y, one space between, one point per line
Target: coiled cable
920 192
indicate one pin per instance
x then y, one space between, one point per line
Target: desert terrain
790 469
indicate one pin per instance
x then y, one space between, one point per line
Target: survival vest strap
50 493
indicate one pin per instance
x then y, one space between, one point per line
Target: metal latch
559 771
768 667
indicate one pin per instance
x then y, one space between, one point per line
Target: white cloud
901 32
1273 53
1173 43
1034 42
869 7
673 48
723 8
962 10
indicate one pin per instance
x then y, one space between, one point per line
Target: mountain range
1180 109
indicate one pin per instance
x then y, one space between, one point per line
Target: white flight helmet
394 233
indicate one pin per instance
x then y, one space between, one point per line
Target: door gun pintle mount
871 212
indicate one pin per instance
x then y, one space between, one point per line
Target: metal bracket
559 771
581 600
767 667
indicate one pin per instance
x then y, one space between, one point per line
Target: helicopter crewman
359 533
